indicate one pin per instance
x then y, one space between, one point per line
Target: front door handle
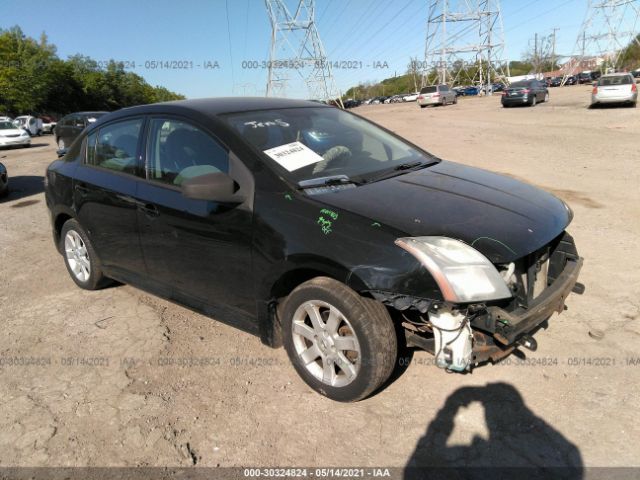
149 209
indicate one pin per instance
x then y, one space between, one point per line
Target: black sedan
314 229
4 181
526 92
68 129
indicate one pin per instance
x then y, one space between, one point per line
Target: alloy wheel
326 343
77 256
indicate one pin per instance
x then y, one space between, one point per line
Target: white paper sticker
293 156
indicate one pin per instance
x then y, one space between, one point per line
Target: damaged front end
463 331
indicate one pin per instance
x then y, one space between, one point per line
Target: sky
221 45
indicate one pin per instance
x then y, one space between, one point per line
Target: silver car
615 88
436 95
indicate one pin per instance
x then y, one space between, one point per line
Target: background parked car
470 91
411 97
571 80
351 103
68 129
4 181
12 135
525 92
615 88
636 73
554 81
48 124
6 119
436 95
29 123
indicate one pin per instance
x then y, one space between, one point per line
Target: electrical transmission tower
296 45
465 43
609 27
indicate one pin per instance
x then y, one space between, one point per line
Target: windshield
308 143
20 121
7 126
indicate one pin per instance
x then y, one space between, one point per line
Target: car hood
11 131
503 218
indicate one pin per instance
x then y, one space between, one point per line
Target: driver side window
178 150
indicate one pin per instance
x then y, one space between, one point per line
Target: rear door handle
149 209
80 188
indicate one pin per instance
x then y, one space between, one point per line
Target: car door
200 250
105 187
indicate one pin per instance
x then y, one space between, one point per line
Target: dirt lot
105 393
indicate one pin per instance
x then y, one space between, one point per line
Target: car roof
216 106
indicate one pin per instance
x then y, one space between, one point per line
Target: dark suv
313 228
68 129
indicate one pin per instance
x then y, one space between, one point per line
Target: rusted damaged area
485 349
402 302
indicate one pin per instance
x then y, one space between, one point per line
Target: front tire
343 345
80 258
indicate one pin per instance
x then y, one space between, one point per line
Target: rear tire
344 346
534 100
423 106
546 97
80 258
455 100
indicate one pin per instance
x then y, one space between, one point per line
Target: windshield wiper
326 181
399 170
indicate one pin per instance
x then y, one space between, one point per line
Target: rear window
521 84
433 89
617 80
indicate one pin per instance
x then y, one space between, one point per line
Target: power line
226 4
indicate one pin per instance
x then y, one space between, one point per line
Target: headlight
24 134
462 273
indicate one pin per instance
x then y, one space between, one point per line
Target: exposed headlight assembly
463 274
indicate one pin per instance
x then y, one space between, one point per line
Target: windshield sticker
293 156
276 123
325 223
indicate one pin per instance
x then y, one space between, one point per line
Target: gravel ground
93 378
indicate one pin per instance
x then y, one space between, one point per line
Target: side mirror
215 187
61 153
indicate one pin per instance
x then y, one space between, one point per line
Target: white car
412 97
31 124
615 88
11 136
6 119
48 126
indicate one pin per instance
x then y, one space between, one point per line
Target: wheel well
60 221
270 328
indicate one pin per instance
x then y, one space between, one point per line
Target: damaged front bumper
496 332
510 326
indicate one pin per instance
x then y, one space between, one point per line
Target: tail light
595 90
504 93
420 97
634 87
526 90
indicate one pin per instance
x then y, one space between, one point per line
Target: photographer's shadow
519 442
